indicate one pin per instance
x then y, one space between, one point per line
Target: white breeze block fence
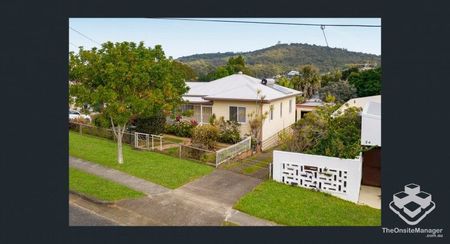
336 176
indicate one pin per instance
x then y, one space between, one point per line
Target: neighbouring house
309 105
234 97
370 136
358 102
293 73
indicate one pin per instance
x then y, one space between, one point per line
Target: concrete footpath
207 201
130 181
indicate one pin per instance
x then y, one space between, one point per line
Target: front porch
200 112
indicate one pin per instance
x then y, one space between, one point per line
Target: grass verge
99 188
161 169
296 206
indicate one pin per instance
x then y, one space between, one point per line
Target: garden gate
147 141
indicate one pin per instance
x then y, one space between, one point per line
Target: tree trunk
118 132
119 146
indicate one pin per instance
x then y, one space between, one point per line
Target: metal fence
148 141
232 151
156 143
128 138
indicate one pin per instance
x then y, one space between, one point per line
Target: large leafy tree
367 83
233 66
342 91
330 77
125 80
320 133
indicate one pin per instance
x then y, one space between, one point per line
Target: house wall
370 130
272 127
222 108
300 109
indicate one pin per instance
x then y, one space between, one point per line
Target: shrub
151 125
100 120
228 131
319 133
180 128
205 136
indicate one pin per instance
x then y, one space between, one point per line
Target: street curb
91 199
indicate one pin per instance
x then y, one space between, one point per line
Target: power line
326 42
324 36
273 23
87 37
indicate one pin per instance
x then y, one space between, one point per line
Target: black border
34 147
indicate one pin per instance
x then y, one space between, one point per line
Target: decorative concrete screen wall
339 177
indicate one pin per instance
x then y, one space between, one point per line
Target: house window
206 113
237 114
281 109
271 114
186 107
290 106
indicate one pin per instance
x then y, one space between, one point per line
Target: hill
282 58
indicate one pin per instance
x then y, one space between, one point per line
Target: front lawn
296 206
161 169
99 188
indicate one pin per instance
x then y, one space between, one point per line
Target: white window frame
237 113
201 113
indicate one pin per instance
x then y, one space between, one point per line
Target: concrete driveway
206 201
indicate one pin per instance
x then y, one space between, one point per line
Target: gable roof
238 87
359 102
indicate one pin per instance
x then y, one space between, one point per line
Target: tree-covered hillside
282 58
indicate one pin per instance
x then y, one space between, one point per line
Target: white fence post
225 154
153 145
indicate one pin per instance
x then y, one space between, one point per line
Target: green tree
330 77
308 81
320 133
233 66
343 136
186 71
347 72
125 80
341 90
286 82
367 83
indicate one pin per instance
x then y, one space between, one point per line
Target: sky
182 38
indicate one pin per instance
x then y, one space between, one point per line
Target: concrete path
243 219
112 213
203 202
79 216
132 182
207 201
370 196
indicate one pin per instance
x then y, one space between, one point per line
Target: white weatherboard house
234 97
371 124
358 102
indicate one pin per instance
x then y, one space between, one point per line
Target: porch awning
195 100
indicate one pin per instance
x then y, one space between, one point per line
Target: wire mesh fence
156 143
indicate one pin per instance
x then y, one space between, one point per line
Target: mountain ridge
282 58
